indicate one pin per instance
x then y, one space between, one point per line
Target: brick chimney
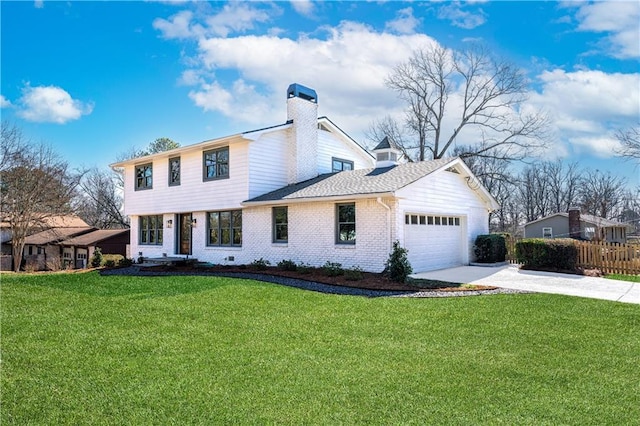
574 222
302 111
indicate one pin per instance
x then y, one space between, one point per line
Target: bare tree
563 181
99 200
469 89
630 141
601 194
35 185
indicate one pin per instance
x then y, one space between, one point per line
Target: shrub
125 262
304 268
287 265
354 274
96 259
490 248
332 269
111 260
398 265
260 264
537 253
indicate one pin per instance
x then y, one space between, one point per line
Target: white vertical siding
268 158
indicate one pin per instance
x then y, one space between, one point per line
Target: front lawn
621 277
86 349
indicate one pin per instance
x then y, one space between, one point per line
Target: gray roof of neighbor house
55 235
382 180
94 237
594 220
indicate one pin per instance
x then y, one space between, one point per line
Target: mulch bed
369 281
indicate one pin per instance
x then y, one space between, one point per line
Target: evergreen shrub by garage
537 253
490 248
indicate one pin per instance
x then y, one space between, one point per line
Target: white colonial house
304 191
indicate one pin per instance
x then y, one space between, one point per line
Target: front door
184 233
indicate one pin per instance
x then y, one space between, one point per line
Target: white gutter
379 200
285 201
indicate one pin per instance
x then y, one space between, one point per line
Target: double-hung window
216 164
144 176
346 223
547 232
280 224
174 171
150 231
224 228
338 165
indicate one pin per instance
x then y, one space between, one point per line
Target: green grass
84 349
620 277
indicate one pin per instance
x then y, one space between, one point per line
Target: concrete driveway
541 282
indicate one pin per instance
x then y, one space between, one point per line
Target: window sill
282 245
346 246
225 248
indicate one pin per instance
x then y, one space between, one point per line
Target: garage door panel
434 246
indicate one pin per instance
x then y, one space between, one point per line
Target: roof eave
300 200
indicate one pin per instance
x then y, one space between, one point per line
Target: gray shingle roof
93 237
355 182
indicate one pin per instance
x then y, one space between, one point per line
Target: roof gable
361 182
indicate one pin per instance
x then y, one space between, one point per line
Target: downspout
379 200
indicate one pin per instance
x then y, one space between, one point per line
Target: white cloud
405 22
4 102
349 80
178 26
50 104
588 106
460 17
38 4
303 7
234 17
620 19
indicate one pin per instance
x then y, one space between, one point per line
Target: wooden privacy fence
610 258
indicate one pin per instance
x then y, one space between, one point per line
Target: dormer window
386 156
339 165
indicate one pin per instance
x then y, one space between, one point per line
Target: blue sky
93 79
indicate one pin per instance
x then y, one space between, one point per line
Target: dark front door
184 234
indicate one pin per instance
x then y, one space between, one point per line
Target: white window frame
548 229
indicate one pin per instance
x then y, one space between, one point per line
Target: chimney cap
296 90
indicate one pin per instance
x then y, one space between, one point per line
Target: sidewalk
541 282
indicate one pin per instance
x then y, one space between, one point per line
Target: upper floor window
346 223
174 171
338 165
280 224
150 231
224 228
216 164
144 176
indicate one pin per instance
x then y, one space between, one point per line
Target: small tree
96 259
398 264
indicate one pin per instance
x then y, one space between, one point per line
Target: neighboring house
43 250
78 250
576 225
305 191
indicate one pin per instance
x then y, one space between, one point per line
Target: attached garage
434 241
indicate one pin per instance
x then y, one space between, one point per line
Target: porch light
169 223
194 222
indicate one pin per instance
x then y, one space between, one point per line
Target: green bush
111 260
332 269
537 253
97 259
110 263
260 264
125 262
354 274
304 268
398 265
287 265
490 248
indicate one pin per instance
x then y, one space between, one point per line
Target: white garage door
434 242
